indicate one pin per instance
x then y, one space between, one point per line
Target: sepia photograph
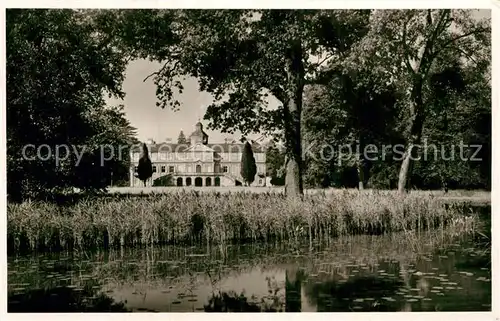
248 160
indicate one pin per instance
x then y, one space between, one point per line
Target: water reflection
63 299
293 287
358 293
436 271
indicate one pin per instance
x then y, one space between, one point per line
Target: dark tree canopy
275 162
407 47
60 64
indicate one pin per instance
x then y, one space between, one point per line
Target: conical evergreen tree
145 168
248 166
182 138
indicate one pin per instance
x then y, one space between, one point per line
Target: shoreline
221 218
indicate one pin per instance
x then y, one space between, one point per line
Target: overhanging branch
162 69
407 52
428 55
476 31
319 63
449 42
467 55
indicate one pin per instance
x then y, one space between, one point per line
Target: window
154 169
224 169
163 169
135 168
171 169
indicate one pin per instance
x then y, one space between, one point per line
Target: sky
159 124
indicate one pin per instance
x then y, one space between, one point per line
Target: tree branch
449 42
405 47
162 69
479 30
156 73
467 55
279 93
428 55
319 63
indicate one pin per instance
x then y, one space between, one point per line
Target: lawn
473 196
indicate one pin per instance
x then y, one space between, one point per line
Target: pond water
435 271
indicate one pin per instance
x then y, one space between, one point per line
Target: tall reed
189 217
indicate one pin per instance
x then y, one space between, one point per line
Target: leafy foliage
60 63
342 118
275 162
407 46
166 180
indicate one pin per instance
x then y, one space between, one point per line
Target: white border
206 4
495 184
243 4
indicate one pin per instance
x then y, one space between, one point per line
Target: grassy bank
189 217
480 195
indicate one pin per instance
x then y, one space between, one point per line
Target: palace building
198 163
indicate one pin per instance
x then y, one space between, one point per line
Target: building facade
198 163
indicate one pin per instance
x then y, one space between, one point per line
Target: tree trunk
361 176
360 164
292 120
403 172
415 132
444 185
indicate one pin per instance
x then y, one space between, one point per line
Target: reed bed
215 218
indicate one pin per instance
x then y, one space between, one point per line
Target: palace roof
216 147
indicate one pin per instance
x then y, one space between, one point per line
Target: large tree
60 63
242 57
405 46
341 119
459 116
